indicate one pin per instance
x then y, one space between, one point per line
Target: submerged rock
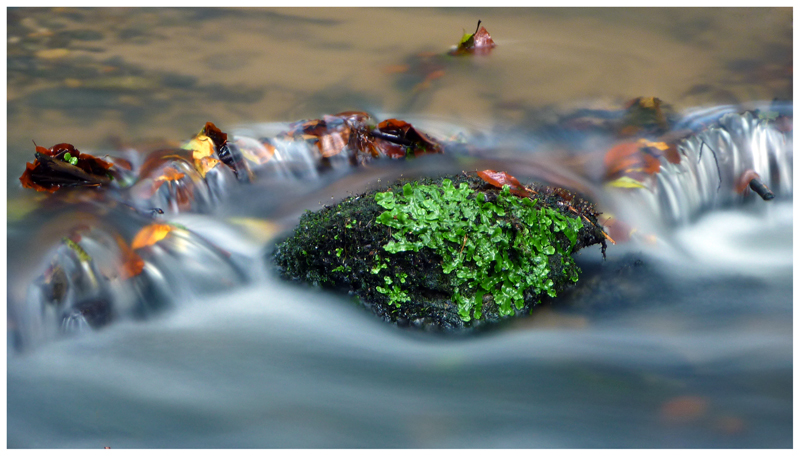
447 253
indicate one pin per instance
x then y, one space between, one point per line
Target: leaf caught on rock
150 235
400 132
501 178
64 166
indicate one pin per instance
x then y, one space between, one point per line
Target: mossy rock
444 253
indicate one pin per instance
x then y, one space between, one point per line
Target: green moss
444 253
483 250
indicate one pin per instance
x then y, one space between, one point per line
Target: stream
681 337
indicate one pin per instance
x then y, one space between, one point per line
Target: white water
270 364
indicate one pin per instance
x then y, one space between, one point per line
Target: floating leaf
661 149
479 42
631 157
626 182
131 263
501 178
170 174
64 166
150 234
204 149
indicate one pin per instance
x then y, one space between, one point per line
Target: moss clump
448 253
499 248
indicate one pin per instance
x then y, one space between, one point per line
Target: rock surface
447 253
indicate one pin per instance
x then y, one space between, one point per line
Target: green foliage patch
501 248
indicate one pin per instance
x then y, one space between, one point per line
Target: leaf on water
64 166
207 148
331 134
632 158
626 182
479 43
401 133
501 178
170 174
131 263
661 149
150 234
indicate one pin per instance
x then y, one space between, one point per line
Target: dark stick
391 138
763 191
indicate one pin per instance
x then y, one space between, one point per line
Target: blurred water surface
686 342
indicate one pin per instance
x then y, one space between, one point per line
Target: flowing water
681 337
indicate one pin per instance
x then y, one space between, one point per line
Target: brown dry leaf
501 178
150 234
64 166
479 43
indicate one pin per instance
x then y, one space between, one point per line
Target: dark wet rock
352 247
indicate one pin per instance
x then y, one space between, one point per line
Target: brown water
652 353
84 75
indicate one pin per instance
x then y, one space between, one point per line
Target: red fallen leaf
331 133
479 42
64 166
220 139
402 132
651 164
234 161
630 157
661 149
672 155
621 157
501 178
684 408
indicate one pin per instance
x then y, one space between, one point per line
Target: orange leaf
205 164
651 164
150 234
622 157
501 178
132 264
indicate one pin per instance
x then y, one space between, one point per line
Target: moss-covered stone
449 253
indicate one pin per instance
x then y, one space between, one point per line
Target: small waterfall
79 275
714 161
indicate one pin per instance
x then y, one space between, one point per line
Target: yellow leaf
205 165
656 145
201 146
626 182
150 234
